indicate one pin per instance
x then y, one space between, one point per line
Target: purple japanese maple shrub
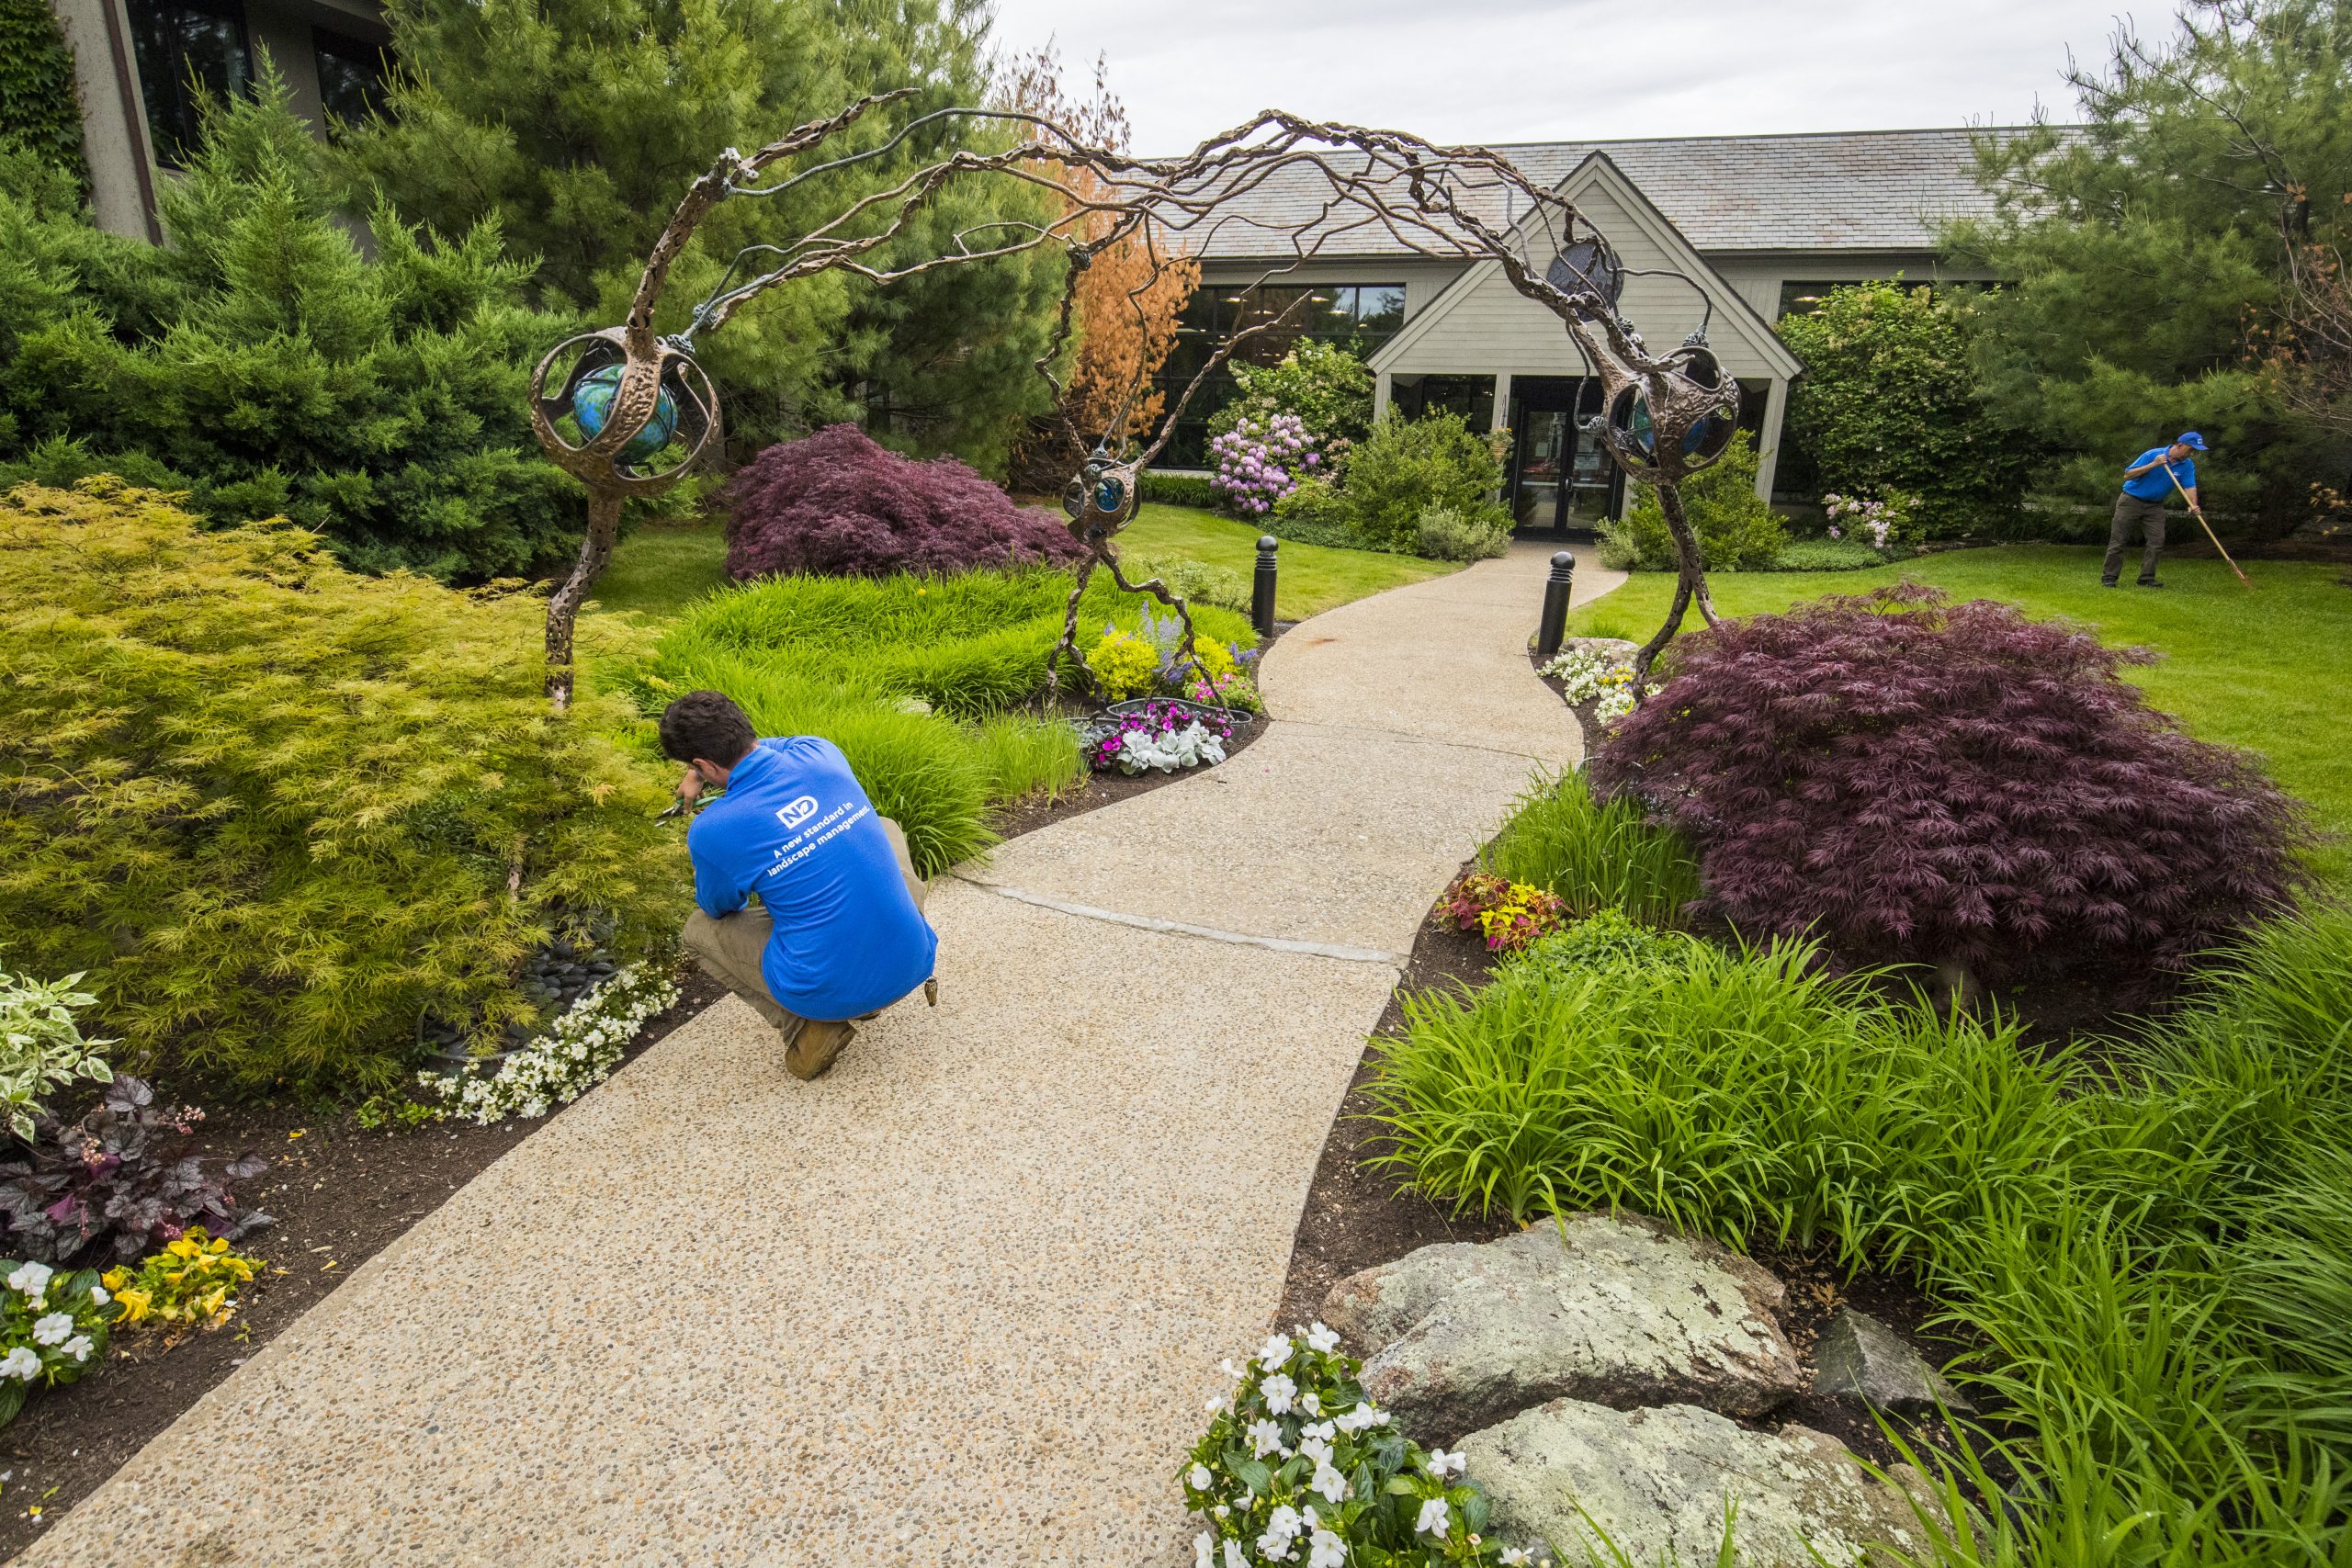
1912 780
836 504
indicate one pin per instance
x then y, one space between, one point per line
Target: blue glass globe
591 402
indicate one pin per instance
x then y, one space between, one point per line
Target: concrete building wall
114 123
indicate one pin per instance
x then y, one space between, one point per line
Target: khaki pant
728 948
2150 516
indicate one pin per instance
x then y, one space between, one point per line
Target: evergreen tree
261 362
2149 247
578 124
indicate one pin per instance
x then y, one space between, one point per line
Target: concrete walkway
960 1302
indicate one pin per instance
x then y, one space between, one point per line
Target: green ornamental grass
1594 856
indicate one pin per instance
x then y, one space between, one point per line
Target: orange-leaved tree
1128 298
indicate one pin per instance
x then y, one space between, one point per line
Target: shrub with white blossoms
579 1051
1593 675
52 1328
1299 1468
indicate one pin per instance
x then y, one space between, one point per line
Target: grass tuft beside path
2265 668
659 570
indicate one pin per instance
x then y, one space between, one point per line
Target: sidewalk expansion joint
1180 928
1407 737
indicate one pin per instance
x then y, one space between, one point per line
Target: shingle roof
1864 190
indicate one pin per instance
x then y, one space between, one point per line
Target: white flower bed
1166 751
579 1051
1299 1468
1591 675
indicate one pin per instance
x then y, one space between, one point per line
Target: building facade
140 65
1755 226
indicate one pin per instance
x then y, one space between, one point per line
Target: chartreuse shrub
1406 466
266 365
901 673
1921 782
1737 529
2152 1253
276 812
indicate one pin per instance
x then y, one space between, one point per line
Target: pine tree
262 362
578 125
2148 249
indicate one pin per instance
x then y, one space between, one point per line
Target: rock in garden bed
1657 1485
1616 1311
1862 1361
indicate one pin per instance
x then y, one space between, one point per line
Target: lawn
2263 668
659 570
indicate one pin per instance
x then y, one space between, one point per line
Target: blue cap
2191 440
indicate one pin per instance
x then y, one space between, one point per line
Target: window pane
186 49
1380 309
351 76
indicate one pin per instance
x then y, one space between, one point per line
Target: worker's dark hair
707 724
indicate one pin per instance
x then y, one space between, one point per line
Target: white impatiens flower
1279 1391
21 1363
1362 1416
1283 1527
1265 1437
1326 1431
78 1347
1232 1558
53 1329
1200 1477
98 1296
1320 1339
1326 1550
1434 1518
1329 1483
1311 1403
1516 1557
31 1278
1276 1352
1203 1550
1443 1464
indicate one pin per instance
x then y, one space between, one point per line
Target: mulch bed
340 1195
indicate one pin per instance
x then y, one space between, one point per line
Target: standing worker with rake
2148 483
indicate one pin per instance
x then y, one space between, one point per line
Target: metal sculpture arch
649 412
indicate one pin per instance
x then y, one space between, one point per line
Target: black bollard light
1261 590
1555 607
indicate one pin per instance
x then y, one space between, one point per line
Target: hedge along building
139 65
1759 225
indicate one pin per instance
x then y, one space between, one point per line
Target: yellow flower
183 1247
136 1304
115 1278
214 1302
220 1246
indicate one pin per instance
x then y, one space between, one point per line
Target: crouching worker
840 932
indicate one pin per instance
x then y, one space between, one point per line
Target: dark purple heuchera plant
115 1183
1950 783
837 505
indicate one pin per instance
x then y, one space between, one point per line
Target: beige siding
1494 328
1757 278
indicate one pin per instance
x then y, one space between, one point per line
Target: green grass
1594 856
2262 668
1313 578
659 570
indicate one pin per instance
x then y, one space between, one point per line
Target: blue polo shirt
795 827
2152 485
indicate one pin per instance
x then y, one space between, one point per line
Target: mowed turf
2264 668
658 571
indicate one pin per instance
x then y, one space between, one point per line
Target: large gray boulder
1862 1361
1659 1484
1614 1311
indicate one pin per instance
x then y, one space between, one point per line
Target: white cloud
1498 71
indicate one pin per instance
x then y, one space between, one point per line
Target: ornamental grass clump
1298 1467
276 812
1594 855
836 504
1956 784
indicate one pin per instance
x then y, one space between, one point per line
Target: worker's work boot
814 1046
931 991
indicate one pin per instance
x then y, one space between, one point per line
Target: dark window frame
349 50
1217 310
159 32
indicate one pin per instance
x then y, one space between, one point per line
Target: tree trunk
563 610
1690 584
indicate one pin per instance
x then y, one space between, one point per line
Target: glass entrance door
1560 479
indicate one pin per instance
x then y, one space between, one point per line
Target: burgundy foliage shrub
835 505
1918 781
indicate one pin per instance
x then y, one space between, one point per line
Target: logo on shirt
798 811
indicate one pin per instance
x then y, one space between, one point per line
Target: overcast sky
1488 71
